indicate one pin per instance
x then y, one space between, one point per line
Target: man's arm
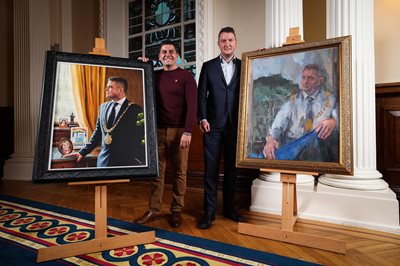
190 88
191 109
74 154
325 127
281 122
95 139
202 100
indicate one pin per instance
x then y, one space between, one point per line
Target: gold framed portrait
295 108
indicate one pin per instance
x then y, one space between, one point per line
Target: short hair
319 69
167 42
123 82
226 30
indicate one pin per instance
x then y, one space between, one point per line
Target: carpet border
216 246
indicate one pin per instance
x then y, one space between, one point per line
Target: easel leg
101 242
100 211
289 201
95 245
289 217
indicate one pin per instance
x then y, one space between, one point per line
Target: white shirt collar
121 101
224 62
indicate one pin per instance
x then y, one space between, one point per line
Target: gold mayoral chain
107 137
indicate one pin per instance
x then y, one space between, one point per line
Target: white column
362 199
31 39
281 15
353 17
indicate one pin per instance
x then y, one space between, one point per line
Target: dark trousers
216 141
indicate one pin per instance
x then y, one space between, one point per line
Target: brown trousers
169 150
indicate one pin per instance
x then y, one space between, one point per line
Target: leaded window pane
152 21
189 10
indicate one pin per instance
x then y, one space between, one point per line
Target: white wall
248 20
387 41
116 28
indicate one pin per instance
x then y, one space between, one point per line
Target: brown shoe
147 217
176 219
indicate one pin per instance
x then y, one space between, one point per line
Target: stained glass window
152 21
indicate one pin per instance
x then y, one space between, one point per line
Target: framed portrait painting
295 108
97 119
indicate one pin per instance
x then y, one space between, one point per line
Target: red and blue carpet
26 226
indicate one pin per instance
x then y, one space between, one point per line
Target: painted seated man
306 126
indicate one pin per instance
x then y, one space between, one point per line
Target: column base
361 180
18 168
378 210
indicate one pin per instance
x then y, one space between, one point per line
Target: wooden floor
129 200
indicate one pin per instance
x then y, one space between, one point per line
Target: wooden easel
288 220
101 242
294 37
289 203
100 47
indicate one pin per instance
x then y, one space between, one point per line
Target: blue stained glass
162 14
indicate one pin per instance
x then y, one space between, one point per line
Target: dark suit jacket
218 101
126 148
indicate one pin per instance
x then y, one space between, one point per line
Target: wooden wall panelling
6 135
388 133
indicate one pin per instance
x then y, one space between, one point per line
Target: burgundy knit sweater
176 99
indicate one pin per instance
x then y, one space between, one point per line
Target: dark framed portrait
97 119
295 108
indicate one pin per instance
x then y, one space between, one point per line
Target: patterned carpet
26 226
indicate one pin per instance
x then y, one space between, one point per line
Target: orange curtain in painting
88 86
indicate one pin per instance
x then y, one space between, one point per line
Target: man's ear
321 80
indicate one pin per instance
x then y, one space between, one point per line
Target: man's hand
325 128
270 147
143 59
204 126
74 154
185 140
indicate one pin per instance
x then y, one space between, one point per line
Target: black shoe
206 220
233 216
176 219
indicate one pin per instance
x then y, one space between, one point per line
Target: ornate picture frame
74 88
295 108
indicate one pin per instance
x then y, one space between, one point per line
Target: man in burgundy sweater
176 98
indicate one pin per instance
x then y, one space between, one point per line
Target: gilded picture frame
74 89
295 109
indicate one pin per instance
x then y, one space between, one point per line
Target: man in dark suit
119 129
218 103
